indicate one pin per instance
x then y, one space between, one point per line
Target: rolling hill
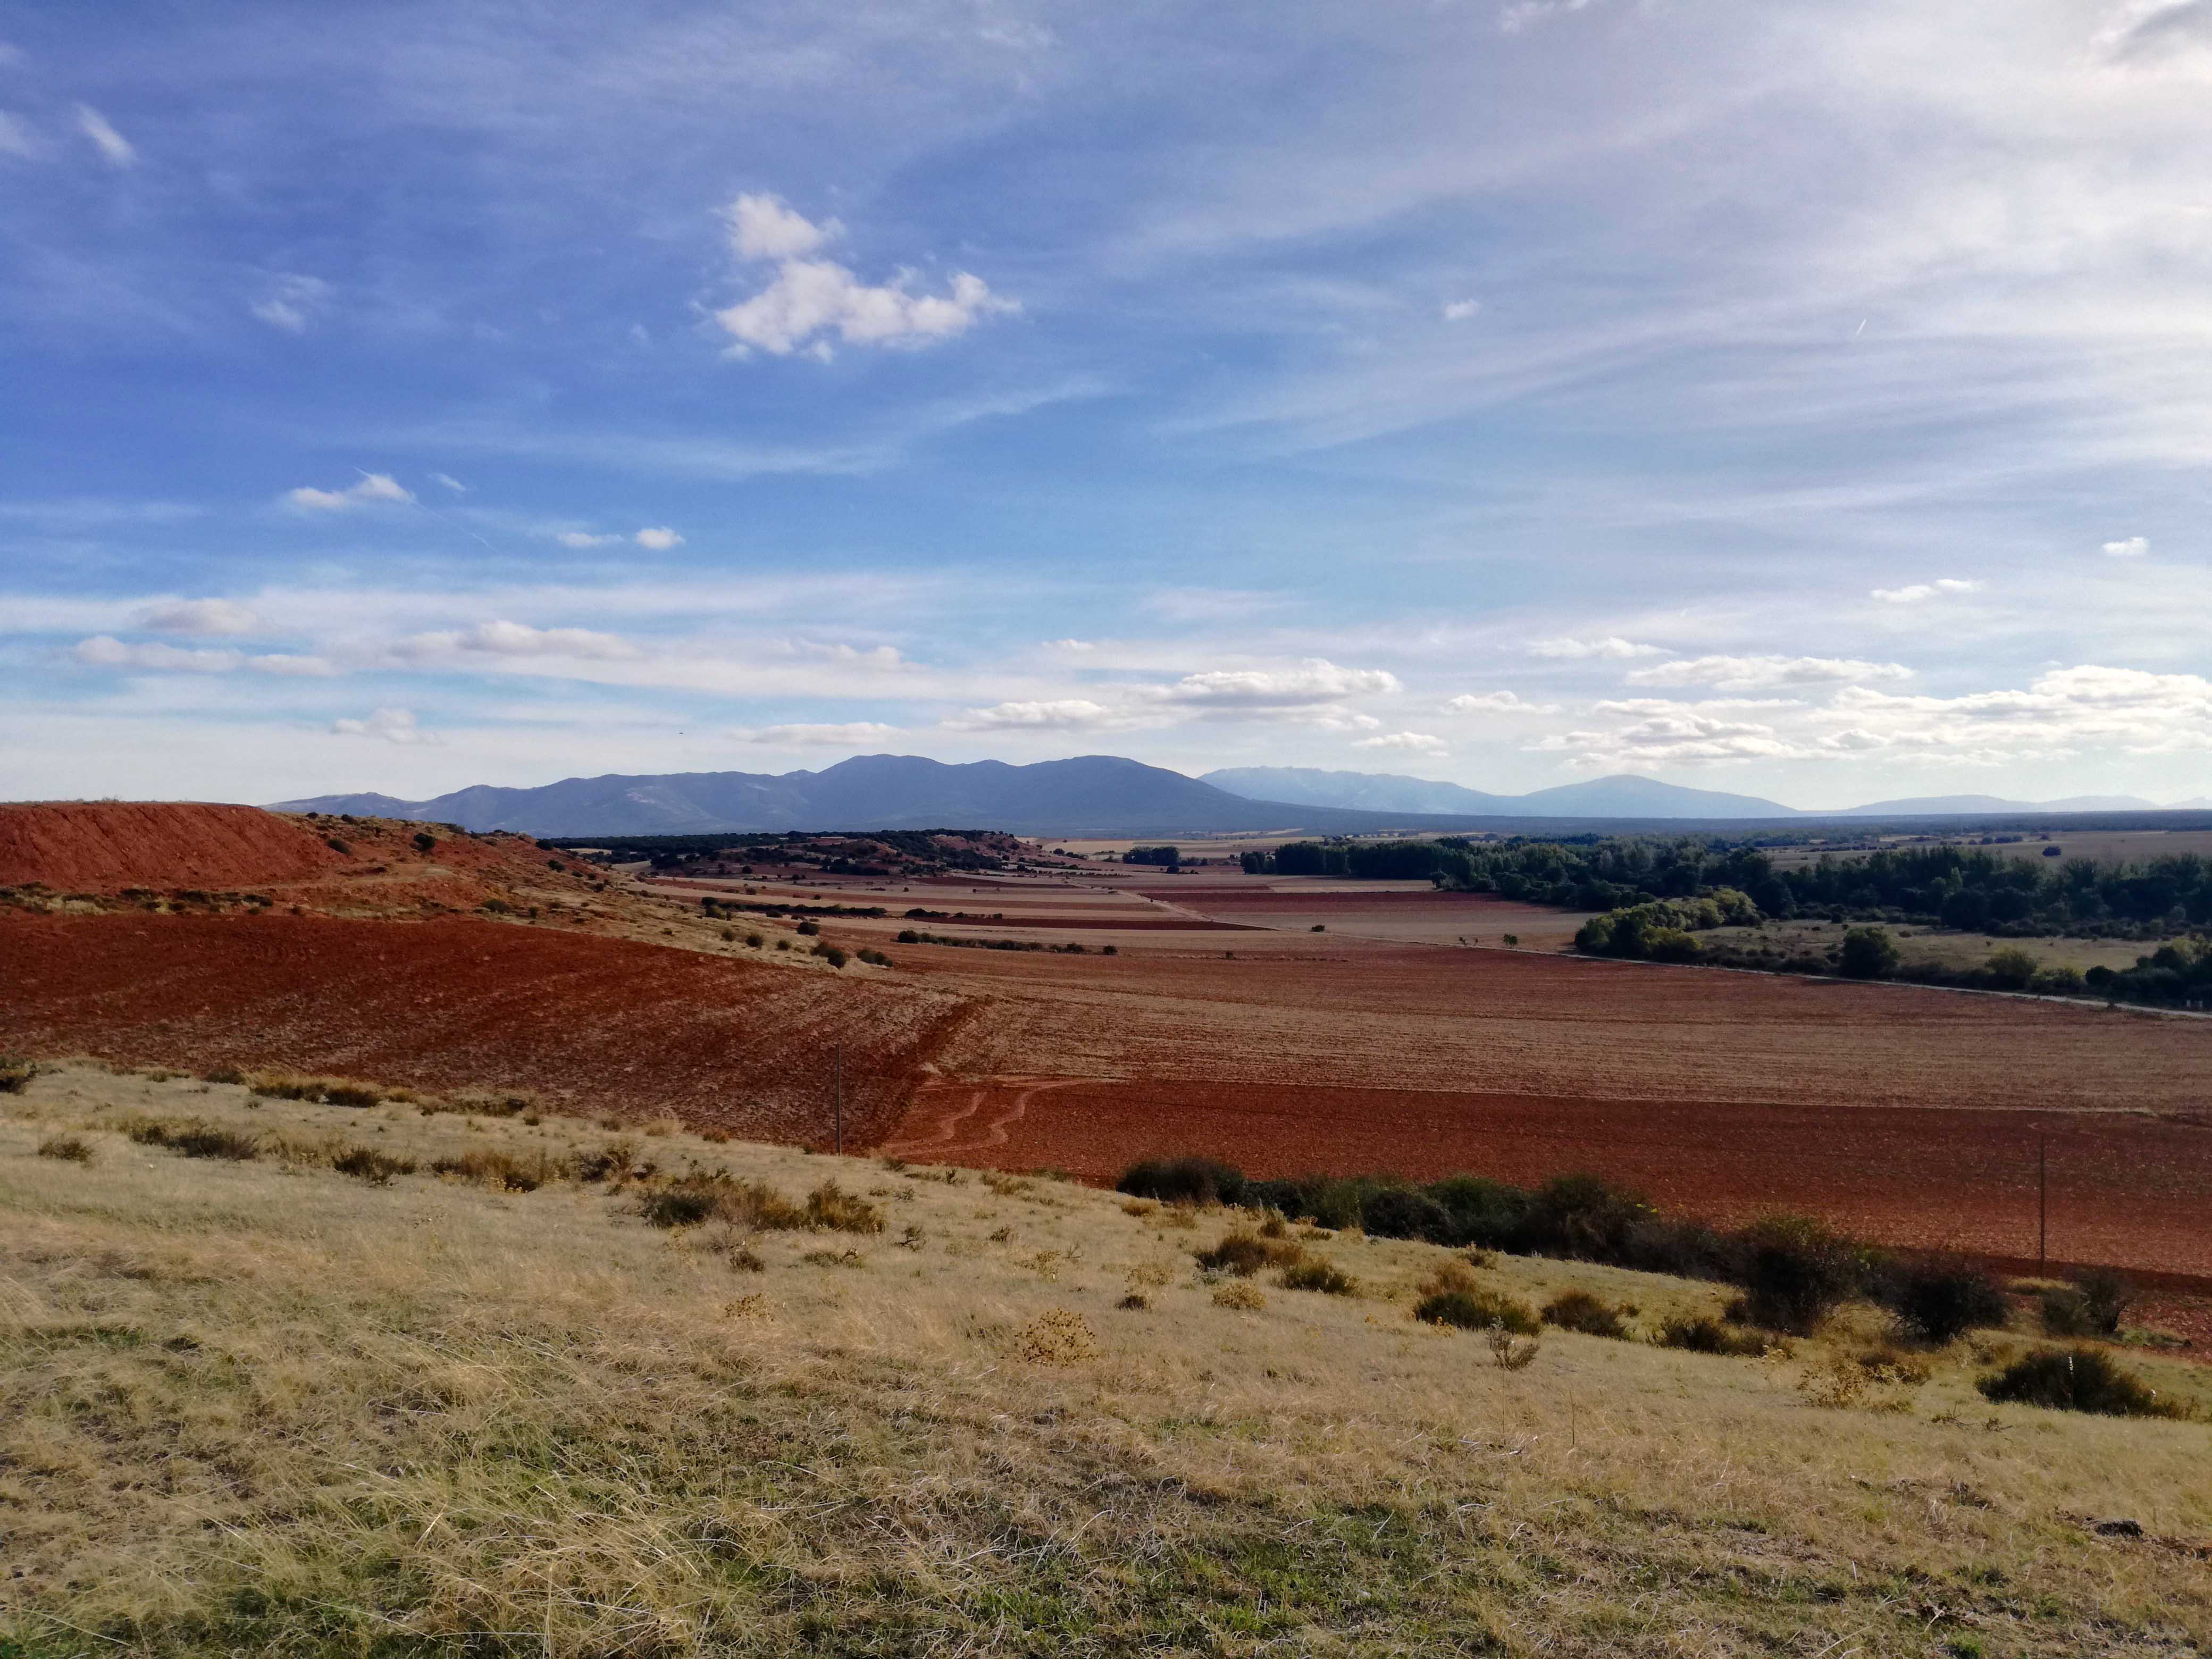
1622 796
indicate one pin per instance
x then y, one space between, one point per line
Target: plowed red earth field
1912 1115
591 1023
101 846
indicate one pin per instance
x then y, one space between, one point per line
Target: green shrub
831 1205
1453 1296
907 936
200 1140
2092 1305
16 1074
1183 1181
500 1170
424 840
753 941
2073 1380
2010 969
70 1149
1703 1333
1869 953
1579 1311
1939 1298
1795 1272
1244 1254
808 929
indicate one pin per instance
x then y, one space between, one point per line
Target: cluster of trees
1966 888
1659 930
2175 975
1170 857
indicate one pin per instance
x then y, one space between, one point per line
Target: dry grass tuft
70 1149
1242 1294
1058 1336
831 1207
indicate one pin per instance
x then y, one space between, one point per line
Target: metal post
837 1093
2043 1203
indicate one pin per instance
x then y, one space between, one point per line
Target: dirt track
596 1024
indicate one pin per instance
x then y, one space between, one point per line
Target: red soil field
105 845
591 1025
2124 1189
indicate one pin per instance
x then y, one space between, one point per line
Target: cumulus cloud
195 616
2134 547
1314 682
853 734
808 300
1458 311
2065 711
1672 735
514 639
1918 592
1417 742
392 725
1496 702
374 488
293 667
1757 673
292 302
115 149
659 537
1611 646
1054 715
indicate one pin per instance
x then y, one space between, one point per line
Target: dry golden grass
258 1406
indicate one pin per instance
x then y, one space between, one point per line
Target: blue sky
1810 399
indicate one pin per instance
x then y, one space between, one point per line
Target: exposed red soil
103 846
2125 1190
593 1024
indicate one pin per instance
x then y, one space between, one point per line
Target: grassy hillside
261 1405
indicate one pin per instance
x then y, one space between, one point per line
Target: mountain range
1098 795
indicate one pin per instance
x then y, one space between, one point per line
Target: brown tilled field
1381 1043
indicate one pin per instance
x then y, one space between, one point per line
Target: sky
1810 399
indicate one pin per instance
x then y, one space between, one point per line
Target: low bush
1453 1296
70 1149
16 1074
1795 1272
831 1205
1184 1181
1703 1333
200 1140
808 929
327 1090
366 1164
1579 1311
2073 1380
1244 1254
2092 1305
1325 1276
1937 1299
502 1171
1241 1293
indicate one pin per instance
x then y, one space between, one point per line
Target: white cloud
808 300
1496 702
113 146
1611 646
16 136
392 725
514 639
584 538
195 616
1073 647
1672 735
1458 311
1417 743
766 227
372 487
1055 714
1757 673
1918 592
1522 15
292 302
1313 682
293 667
2063 712
659 537
446 480
855 734
2134 547
104 651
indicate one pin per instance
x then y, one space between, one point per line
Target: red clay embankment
591 1025
102 846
